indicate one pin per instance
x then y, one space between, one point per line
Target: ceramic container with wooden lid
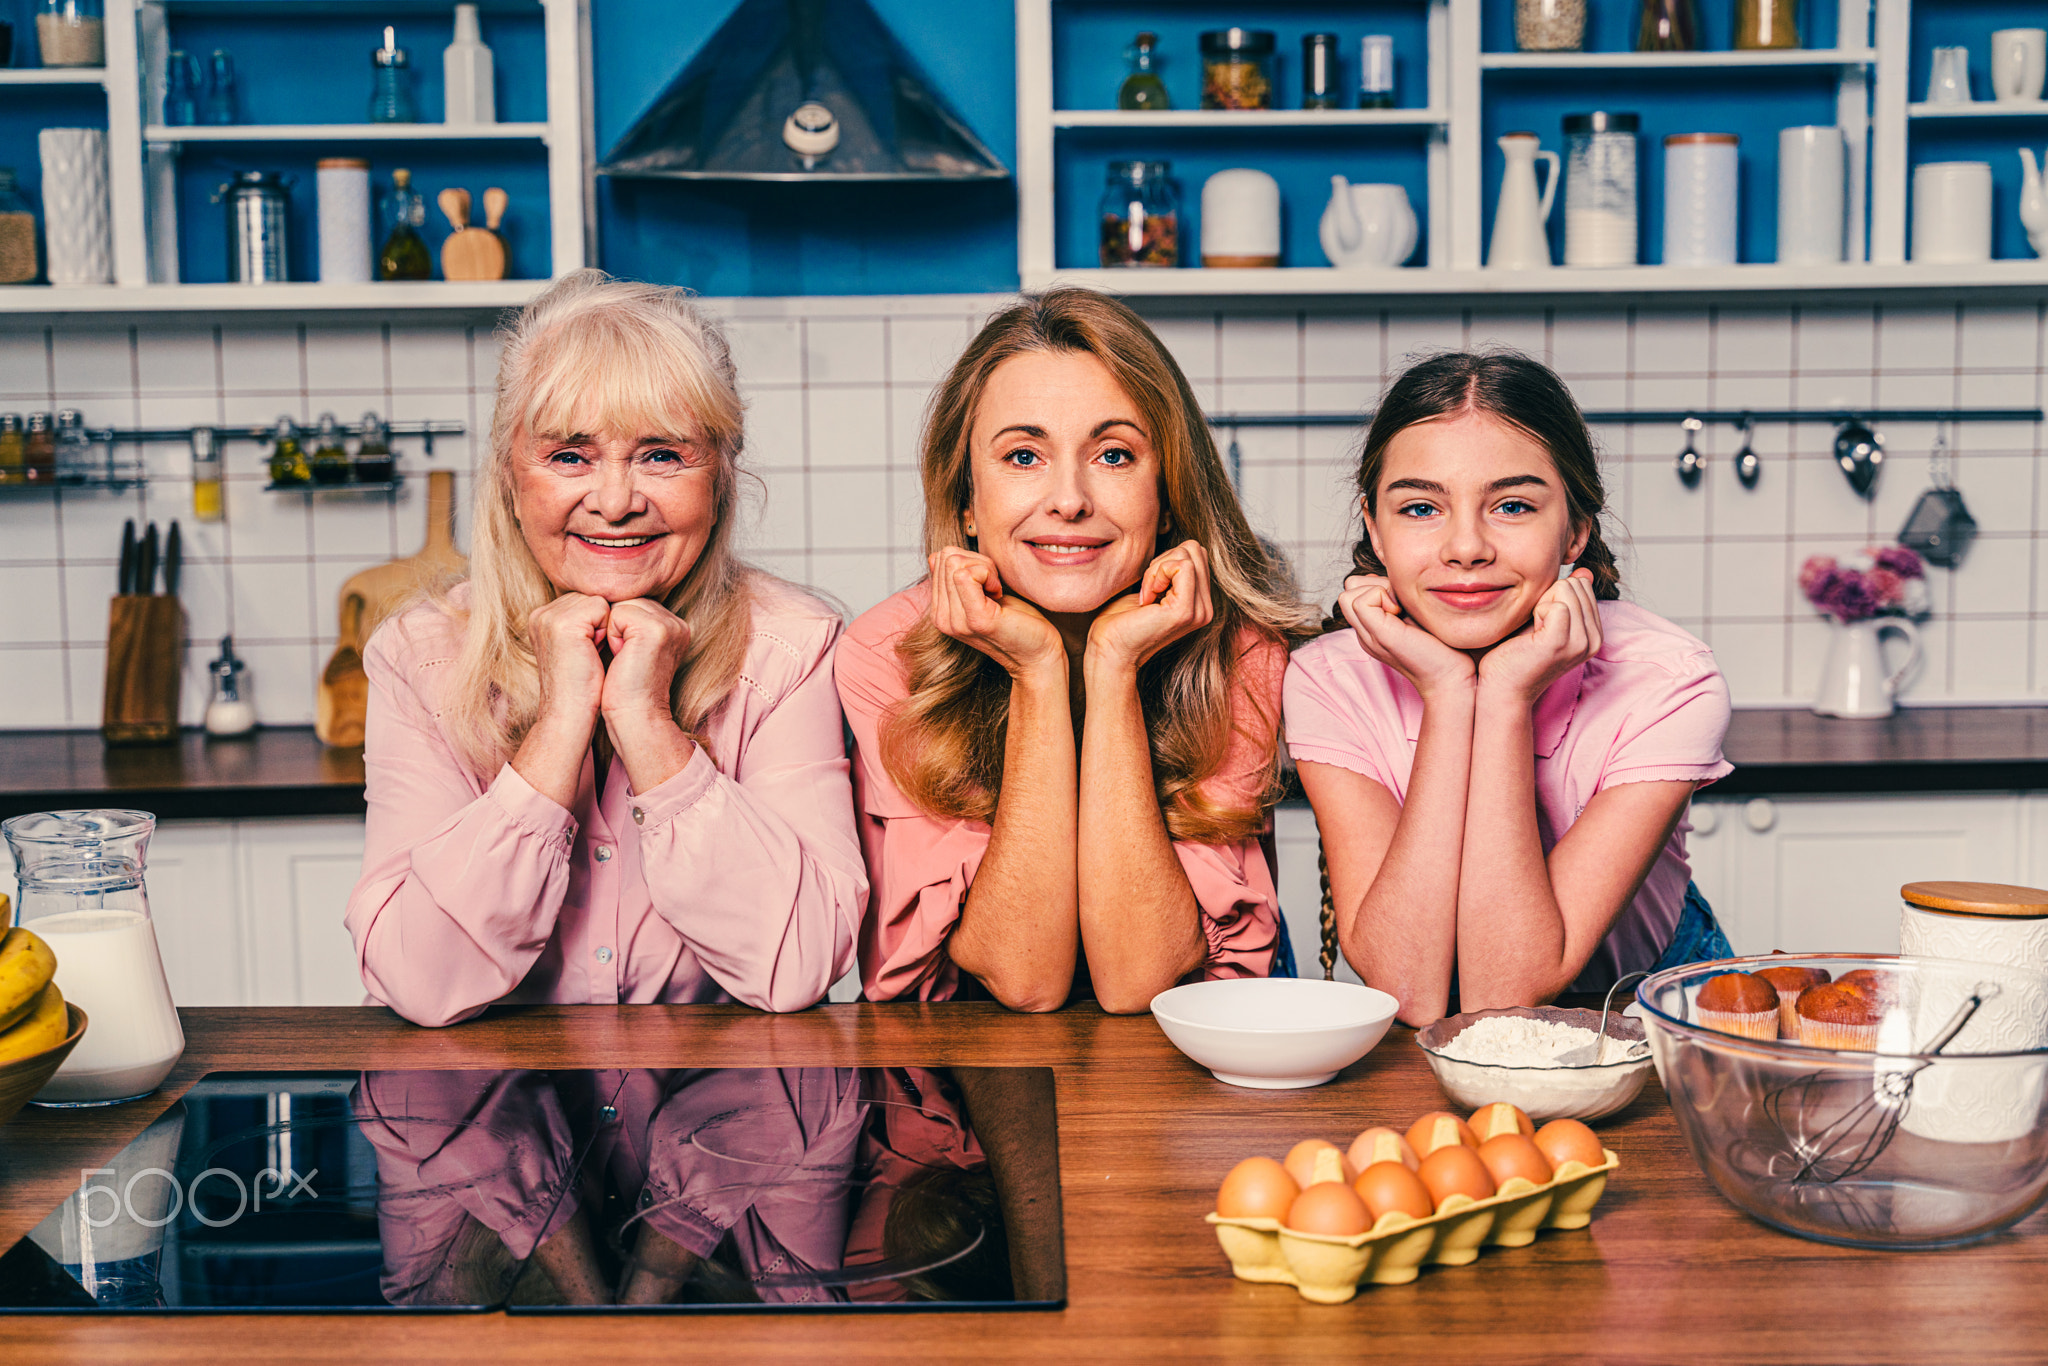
1986 922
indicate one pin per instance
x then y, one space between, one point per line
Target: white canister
78 224
1812 185
1952 212
1980 922
1240 219
343 189
1700 199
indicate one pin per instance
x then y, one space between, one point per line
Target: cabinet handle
1760 814
1706 818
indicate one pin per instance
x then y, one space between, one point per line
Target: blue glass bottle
181 90
391 96
219 105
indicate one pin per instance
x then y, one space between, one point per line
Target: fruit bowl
1274 1033
23 1077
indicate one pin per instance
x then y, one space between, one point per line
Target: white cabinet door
1822 874
192 898
296 877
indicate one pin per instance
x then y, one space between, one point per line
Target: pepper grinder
227 714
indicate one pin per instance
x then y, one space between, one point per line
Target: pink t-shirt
920 865
1649 707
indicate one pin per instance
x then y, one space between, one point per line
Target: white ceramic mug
1949 80
1812 181
2019 65
1984 1102
1952 212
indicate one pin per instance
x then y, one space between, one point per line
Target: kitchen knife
124 584
174 559
145 572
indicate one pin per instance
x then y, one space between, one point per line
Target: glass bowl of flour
1513 1055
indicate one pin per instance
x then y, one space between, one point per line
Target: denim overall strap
1698 938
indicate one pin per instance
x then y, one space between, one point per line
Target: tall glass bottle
405 252
181 90
1143 89
391 91
219 106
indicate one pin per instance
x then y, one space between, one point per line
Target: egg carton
1330 1269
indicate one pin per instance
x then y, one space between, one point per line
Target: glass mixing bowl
1894 1148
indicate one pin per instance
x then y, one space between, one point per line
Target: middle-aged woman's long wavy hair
589 354
943 744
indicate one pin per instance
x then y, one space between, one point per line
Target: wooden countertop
286 771
1668 1272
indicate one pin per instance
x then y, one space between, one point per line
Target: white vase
77 221
1853 680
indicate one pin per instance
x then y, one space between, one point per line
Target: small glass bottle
330 457
391 92
1140 215
1669 26
71 32
13 457
219 106
1319 78
228 714
1376 71
181 90
1143 89
373 454
288 467
206 490
405 252
74 448
39 449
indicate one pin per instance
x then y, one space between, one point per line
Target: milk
109 967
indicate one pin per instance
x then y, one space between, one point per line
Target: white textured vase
77 220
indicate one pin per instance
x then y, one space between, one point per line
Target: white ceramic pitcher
1853 681
1520 241
1370 226
2033 203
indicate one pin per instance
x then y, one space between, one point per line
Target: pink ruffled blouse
921 865
737 879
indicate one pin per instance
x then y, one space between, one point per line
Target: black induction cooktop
542 1192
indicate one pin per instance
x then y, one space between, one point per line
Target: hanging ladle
1690 462
1747 466
1859 451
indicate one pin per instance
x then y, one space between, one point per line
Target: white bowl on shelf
1274 1033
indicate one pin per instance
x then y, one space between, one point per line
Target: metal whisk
1848 1145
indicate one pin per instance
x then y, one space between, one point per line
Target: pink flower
1900 560
1814 573
1890 589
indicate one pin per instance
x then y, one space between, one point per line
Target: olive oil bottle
405 252
288 466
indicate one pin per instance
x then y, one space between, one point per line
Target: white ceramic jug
1519 239
2033 203
1371 226
1853 680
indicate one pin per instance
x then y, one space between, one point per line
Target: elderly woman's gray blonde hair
595 353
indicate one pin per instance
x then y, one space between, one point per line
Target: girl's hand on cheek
1369 604
1563 634
969 604
1172 600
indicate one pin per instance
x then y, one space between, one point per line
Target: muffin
1739 1003
1839 1014
1789 982
1881 987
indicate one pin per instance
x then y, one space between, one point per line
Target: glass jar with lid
71 32
1237 68
1140 215
17 232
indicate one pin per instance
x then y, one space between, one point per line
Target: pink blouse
737 879
1649 707
922 865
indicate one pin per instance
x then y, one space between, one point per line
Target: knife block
145 662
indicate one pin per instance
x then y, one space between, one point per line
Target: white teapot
2033 203
1368 226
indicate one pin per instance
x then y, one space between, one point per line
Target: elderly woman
609 766
1067 734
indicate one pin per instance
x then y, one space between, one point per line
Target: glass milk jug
81 891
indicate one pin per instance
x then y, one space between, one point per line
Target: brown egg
1386 1186
1567 1140
1301 1162
1329 1207
1257 1188
1437 1128
1499 1118
1455 1170
1381 1145
1510 1155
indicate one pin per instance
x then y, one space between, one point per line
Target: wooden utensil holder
145 664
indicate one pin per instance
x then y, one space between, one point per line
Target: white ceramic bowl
1274 1033
1542 1093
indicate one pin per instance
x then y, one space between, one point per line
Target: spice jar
1319 71
39 449
71 32
13 457
1376 71
1766 23
1550 25
373 453
330 457
1237 68
1140 215
17 233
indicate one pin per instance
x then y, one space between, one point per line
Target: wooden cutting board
371 596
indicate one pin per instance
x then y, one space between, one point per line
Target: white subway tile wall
836 390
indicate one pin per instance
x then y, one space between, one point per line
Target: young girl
1499 752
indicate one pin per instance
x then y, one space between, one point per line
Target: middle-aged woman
610 766
1067 734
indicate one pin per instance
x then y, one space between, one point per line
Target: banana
26 967
43 1030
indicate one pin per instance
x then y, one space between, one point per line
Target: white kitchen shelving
1685 61
55 75
348 132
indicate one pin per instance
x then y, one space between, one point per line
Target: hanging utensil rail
267 431
1651 416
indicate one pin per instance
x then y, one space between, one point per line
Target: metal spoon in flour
1589 1054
